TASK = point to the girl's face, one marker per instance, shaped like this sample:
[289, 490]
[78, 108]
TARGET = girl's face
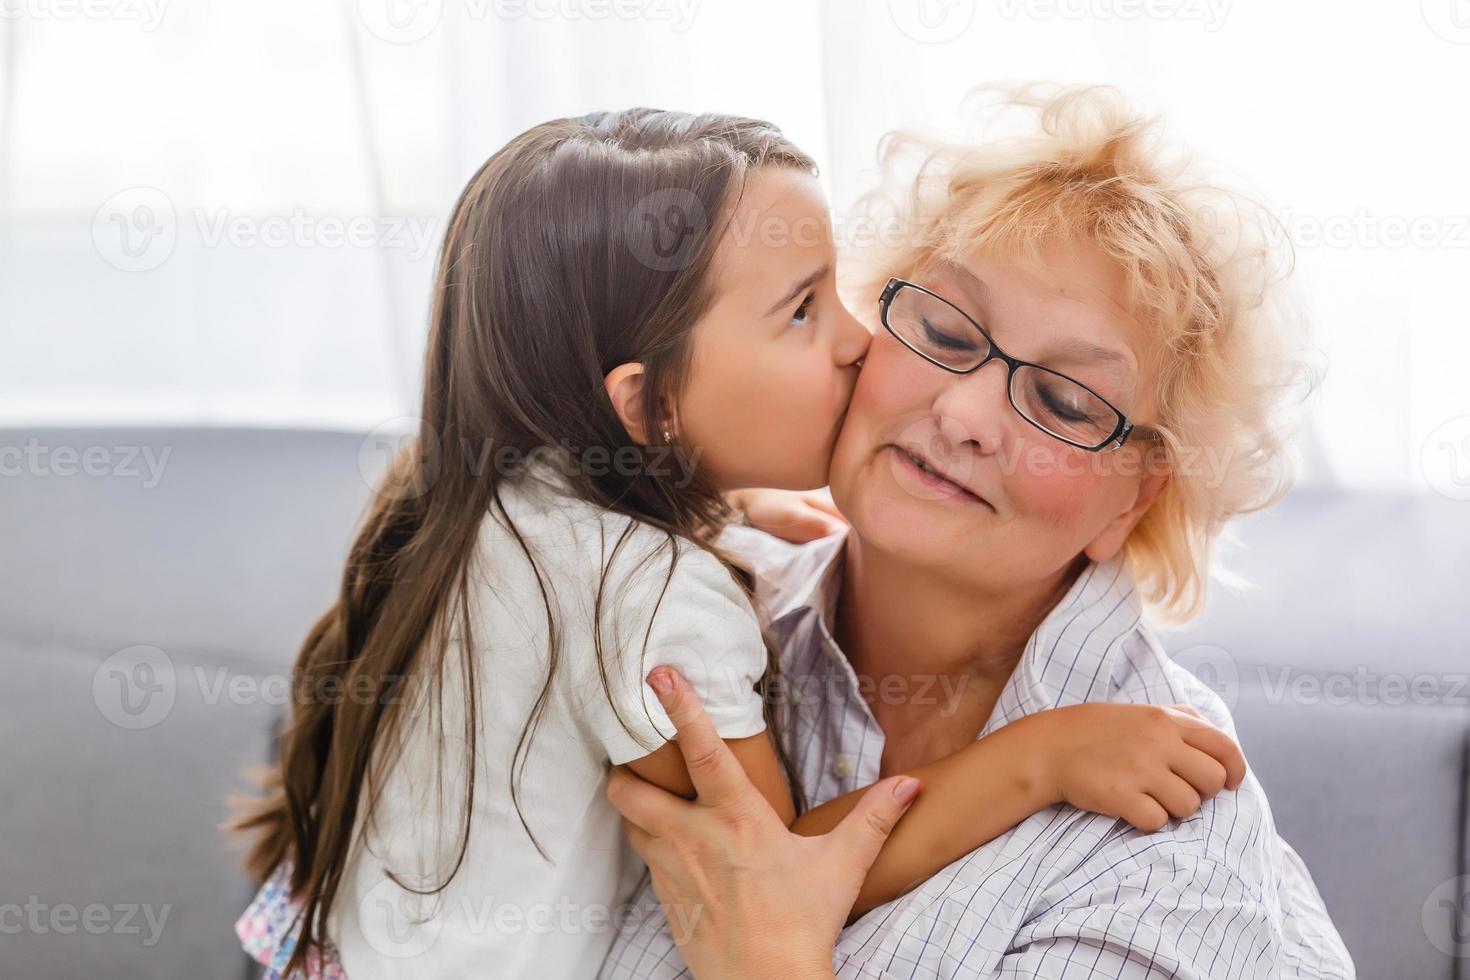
[1011, 505]
[776, 356]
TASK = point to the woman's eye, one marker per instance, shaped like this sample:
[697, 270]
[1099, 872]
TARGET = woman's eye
[1069, 404]
[945, 339]
[803, 314]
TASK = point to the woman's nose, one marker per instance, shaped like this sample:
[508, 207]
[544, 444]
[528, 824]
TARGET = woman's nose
[978, 407]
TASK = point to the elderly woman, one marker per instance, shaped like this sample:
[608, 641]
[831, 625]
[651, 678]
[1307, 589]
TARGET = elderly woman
[1068, 336]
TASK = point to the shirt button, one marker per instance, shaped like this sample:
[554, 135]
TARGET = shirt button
[841, 767]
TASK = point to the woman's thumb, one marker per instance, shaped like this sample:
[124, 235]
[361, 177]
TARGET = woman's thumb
[863, 831]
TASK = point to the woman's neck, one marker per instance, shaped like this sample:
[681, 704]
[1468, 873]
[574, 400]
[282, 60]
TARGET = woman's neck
[931, 654]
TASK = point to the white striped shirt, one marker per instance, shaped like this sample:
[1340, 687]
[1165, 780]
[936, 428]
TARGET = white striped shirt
[1066, 894]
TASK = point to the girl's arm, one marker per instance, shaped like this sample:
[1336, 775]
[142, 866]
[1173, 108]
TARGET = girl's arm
[666, 769]
[1141, 763]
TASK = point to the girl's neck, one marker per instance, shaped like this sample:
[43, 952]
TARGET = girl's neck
[944, 650]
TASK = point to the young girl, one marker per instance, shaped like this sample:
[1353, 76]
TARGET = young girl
[635, 313]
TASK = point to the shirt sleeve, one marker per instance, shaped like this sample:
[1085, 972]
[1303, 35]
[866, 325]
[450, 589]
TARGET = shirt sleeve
[696, 620]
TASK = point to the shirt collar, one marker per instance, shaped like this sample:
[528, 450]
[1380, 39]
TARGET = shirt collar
[1069, 659]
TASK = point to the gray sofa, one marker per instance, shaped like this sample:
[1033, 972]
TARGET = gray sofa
[148, 616]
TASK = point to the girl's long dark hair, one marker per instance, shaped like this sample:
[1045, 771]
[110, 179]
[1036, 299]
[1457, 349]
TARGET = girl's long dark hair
[583, 244]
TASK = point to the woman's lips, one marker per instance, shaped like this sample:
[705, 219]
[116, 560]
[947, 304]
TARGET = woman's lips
[913, 473]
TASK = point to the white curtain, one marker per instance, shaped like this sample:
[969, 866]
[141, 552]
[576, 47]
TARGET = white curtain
[227, 211]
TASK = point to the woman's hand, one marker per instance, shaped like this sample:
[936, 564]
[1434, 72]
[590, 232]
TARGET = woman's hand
[1142, 763]
[793, 516]
[744, 896]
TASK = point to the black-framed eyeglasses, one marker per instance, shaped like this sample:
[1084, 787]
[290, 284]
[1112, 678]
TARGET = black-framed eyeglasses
[945, 336]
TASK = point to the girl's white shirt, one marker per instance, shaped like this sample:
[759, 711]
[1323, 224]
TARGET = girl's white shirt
[512, 910]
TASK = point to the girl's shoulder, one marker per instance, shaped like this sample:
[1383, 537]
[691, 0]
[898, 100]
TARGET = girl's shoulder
[576, 543]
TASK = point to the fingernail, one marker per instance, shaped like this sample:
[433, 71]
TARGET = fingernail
[905, 790]
[661, 681]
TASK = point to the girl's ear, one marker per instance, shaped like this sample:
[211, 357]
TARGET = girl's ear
[624, 387]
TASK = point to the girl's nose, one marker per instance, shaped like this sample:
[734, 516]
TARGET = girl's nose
[852, 340]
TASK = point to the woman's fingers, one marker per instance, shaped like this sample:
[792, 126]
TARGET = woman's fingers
[862, 832]
[716, 775]
[642, 804]
[641, 840]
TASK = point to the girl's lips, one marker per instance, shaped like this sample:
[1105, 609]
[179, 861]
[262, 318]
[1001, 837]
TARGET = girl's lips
[932, 483]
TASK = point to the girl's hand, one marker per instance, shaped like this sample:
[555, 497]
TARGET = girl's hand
[744, 896]
[1142, 763]
[793, 516]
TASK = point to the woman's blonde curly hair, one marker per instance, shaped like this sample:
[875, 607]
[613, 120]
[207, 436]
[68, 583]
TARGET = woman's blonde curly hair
[1202, 266]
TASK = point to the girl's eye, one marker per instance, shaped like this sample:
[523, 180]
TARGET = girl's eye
[803, 314]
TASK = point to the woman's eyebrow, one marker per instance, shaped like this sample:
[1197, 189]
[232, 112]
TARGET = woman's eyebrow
[972, 284]
[799, 288]
[1076, 349]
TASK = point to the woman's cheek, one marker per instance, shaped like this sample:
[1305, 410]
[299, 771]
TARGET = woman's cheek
[1057, 486]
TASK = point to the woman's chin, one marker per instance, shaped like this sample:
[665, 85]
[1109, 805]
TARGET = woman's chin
[899, 523]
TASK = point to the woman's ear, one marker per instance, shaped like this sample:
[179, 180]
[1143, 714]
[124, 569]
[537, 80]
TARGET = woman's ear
[1115, 534]
[624, 387]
